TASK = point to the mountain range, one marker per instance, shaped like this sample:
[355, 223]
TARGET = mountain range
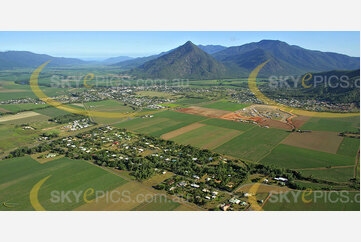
[205, 61]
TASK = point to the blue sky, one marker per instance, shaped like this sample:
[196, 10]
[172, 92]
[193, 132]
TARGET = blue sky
[97, 45]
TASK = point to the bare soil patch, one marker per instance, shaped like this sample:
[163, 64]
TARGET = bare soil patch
[207, 112]
[299, 121]
[263, 188]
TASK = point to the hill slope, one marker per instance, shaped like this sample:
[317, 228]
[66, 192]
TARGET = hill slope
[26, 59]
[186, 61]
[289, 59]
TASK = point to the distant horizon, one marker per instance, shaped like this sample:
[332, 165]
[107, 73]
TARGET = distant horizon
[98, 46]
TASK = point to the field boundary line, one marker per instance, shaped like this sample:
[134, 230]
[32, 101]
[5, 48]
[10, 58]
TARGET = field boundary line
[323, 168]
[357, 162]
[270, 151]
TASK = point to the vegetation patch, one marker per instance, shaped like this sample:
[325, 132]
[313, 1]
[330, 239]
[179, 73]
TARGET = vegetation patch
[253, 144]
[349, 147]
[333, 124]
[207, 137]
[228, 124]
[331, 174]
[297, 158]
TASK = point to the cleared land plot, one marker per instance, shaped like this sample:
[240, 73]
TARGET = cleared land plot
[12, 137]
[287, 156]
[158, 178]
[349, 147]
[207, 112]
[182, 130]
[299, 121]
[228, 124]
[316, 140]
[253, 144]
[263, 188]
[331, 174]
[52, 112]
[18, 116]
[332, 124]
[19, 175]
[207, 137]
[225, 105]
[318, 202]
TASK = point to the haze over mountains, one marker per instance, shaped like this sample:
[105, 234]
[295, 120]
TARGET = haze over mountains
[205, 62]
[26, 59]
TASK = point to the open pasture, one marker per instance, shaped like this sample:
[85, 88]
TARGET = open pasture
[332, 124]
[228, 124]
[292, 157]
[331, 174]
[12, 137]
[155, 126]
[19, 175]
[177, 116]
[23, 118]
[253, 144]
[349, 147]
[316, 140]
[22, 107]
[226, 105]
[207, 137]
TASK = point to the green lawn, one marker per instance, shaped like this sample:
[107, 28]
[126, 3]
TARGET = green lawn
[332, 124]
[287, 156]
[349, 147]
[19, 175]
[253, 144]
[225, 105]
